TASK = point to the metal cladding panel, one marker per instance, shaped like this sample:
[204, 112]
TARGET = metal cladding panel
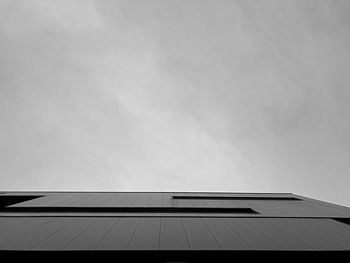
[155, 200]
[119, 236]
[11, 222]
[307, 225]
[334, 226]
[283, 239]
[60, 239]
[306, 236]
[225, 236]
[172, 235]
[90, 238]
[26, 227]
[39, 234]
[101, 200]
[334, 208]
[146, 235]
[167, 200]
[90, 233]
[141, 200]
[126, 199]
[116, 200]
[83, 233]
[255, 239]
[90, 200]
[198, 234]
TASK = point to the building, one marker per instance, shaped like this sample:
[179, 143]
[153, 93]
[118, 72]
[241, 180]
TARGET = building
[190, 224]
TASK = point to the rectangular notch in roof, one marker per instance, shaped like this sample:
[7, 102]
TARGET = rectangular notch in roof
[165, 210]
[7, 200]
[343, 220]
[271, 198]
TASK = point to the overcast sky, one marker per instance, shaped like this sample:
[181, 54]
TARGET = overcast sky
[164, 95]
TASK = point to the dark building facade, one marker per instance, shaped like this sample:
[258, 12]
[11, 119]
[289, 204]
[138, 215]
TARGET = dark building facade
[170, 221]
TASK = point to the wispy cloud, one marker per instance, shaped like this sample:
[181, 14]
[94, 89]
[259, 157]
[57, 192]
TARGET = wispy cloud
[24, 18]
[166, 95]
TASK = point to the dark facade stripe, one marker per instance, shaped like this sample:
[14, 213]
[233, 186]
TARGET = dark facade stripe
[208, 197]
[167, 210]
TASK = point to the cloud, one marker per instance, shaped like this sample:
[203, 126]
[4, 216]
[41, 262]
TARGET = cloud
[164, 95]
[22, 18]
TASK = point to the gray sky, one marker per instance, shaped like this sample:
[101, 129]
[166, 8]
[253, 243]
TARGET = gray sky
[160, 95]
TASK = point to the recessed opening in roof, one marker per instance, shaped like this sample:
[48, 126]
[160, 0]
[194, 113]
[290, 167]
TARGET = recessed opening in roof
[7, 200]
[343, 220]
[166, 210]
[236, 198]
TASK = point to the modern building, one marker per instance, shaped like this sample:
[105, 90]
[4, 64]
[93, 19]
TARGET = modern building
[182, 222]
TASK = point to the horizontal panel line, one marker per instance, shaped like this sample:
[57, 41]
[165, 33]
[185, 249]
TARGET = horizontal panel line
[202, 210]
[223, 192]
[237, 198]
[158, 216]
